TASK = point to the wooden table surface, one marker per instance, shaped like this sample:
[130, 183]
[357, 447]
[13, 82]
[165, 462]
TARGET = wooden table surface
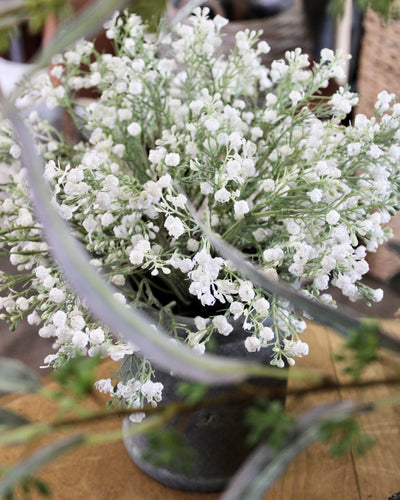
[105, 472]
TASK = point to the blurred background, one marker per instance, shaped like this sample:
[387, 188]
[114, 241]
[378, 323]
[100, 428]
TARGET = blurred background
[368, 29]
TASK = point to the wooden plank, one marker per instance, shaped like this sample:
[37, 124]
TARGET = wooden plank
[106, 471]
[378, 471]
[314, 475]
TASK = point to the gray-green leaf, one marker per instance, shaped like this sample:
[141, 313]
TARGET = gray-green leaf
[17, 377]
[9, 419]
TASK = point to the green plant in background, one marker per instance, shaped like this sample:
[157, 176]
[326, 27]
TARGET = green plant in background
[345, 435]
[387, 9]
[268, 422]
[34, 13]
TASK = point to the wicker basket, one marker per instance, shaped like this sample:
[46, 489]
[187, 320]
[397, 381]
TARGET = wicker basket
[380, 70]
[379, 61]
[284, 31]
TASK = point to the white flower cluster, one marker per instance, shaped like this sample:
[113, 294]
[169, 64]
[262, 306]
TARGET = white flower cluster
[262, 160]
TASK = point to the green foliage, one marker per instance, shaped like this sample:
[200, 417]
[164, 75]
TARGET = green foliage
[151, 12]
[386, 9]
[4, 40]
[27, 487]
[345, 435]
[32, 12]
[168, 448]
[192, 393]
[39, 10]
[360, 348]
[78, 375]
[268, 422]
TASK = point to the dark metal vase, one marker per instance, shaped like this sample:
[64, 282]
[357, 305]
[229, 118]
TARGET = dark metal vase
[217, 434]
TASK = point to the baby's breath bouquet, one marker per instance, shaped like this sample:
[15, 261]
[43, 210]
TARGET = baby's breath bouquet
[181, 133]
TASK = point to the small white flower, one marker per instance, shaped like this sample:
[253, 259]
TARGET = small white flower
[252, 344]
[267, 334]
[59, 319]
[47, 331]
[25, 217]
[136, 256]
[297, 348]
[261, 305]
[15, 151]
[259, 234]
[56, 295]
[292, 227]
[96, 336]
[263, 47]
[107, 219]
[33, 318]
[118, 279]
[22, 303]
[66, 211]
[377, 295]
[246, 291]
[332, 217]
[152, 391]
[212, 124]
[222, 195]
[275, 254]
[222, 138]
[222, 325]
[174, 226]
[135, 87]
[235, 140]
[156, 155]
[120, 298]
[77, 322]
[172, 159]
[315, 195]
[236, 308]
[199, 349]
[80, 339]
[268, 185]
[192, 245]
[295, 96]
[241, 208]
[206, 188]
[327, 55]
[134, 129]
[196, 106]
[201, 323]
[220, 21]
[137, 417]
[104, 385]
[354, 149]
[321, 282]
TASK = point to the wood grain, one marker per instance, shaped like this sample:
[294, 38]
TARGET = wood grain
[106, 472]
